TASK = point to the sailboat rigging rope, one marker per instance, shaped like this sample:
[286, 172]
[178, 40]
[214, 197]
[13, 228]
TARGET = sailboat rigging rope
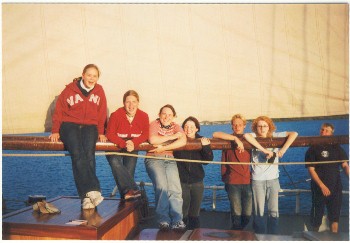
[289, 177]
[178, 160]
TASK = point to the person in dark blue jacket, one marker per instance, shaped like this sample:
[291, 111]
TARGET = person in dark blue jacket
[192, 173]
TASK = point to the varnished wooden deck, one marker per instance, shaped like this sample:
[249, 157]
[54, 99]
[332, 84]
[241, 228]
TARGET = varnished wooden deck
[216, 226]
[118, 220]
[112, 219]
[197, 235]
[156, 234]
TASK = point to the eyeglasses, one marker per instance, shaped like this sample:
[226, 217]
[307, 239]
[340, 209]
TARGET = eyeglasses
[262, 126]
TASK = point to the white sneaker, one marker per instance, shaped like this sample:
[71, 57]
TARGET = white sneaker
[95, 197]
[87, 204]
[179, 226]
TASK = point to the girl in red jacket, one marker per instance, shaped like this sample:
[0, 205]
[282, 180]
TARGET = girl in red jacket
[79, 119]
[127, 127]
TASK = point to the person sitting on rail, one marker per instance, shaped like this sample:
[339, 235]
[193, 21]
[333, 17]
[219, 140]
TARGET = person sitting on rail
[79, 119]
[127, 127]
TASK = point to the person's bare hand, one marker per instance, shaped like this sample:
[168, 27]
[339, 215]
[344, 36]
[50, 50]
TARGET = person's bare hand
[130, 146]
[102, 138]
[269, 154]
[54, 137]
[159, 148]
[240, 146]
[205, 141]
[325, 191]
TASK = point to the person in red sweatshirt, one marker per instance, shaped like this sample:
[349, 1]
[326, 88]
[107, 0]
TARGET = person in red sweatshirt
[127, 127]
[235, 176]
[78, 120]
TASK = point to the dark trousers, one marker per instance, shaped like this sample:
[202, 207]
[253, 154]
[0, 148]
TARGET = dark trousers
[319, 202]
[123, 170]
[80, 141]
[192, 194]
[241, 201]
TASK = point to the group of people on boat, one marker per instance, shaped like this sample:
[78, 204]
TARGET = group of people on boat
[79, 121]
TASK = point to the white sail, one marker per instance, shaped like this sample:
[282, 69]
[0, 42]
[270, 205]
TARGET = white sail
[207, 60]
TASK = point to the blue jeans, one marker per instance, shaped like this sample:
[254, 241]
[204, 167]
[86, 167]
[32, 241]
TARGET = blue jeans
[80, 141]
[167, 188]
[266, 189]
[241, 202]
[123, 170]
[192, 195]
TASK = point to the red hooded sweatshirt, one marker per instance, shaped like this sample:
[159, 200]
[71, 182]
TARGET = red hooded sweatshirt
[235, 173]
[119, 129]
[73, 106]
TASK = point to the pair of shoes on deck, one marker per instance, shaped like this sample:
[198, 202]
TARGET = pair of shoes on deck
[179, 226]
[131, 194]
[45, 208]
[92, 199]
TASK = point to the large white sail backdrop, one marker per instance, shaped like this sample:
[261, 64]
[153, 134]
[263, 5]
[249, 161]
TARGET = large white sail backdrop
[207, 60]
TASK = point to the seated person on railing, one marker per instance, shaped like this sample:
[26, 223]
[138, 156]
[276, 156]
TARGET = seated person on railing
[235, 176]
[166, 135]
[127, 127]
[326, 186]
[265, 182]
[192, 173]
[79, 118]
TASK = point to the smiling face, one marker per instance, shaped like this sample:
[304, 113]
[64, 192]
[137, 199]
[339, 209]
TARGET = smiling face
[131, 105]
[190, 129]
[90, 77]
[262, 128]
[238, 126]
[166, 116]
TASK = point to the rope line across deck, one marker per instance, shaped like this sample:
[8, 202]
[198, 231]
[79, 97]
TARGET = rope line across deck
[178, 160]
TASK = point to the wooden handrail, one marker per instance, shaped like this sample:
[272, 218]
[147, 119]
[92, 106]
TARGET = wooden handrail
[13, 142]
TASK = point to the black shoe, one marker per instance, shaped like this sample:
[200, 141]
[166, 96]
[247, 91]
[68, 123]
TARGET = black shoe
[164, 226]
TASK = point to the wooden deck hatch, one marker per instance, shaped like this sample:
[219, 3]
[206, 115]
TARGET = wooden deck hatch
[112, 220]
